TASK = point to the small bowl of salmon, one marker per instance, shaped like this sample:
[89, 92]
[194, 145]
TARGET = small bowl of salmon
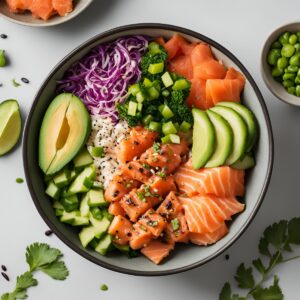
[43, 12]
[150, 142]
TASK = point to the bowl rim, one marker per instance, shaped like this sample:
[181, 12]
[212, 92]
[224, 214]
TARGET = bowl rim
[264, 70]
[259, 201]
[48, 23]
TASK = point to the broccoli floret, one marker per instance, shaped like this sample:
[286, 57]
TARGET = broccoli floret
[122, 109]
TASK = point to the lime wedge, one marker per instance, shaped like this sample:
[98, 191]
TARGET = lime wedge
[10, 125]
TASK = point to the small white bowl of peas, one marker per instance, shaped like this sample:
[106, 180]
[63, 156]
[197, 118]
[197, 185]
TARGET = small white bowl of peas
[280, 63]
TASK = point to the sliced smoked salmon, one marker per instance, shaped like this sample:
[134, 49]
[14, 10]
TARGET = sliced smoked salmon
[182, 65]
[234, 74]
[221, 181]
[42, 9]
[210, 69]
[157, 250]
[197, 96]
[63, 7]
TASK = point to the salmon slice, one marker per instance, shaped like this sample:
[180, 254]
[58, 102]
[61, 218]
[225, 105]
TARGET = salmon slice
[154, 222]
[141, 236]
[160, 40]
[63, 7]
[116, 209]
[182, 65]
[207, 213]
[178, 229]
[170, 207]
[224, 90]
[166, 157]
[175, 45]
[119, 186]
[157, 250]
[221, 181]
[210, 69]
[16, 6]
[234, 74]
[136, 171]
[138, 141]
[201, 53]
[197, 96]
[121, 229]
[137, 202]
[42, 9]
[162, 186]
[204, 239]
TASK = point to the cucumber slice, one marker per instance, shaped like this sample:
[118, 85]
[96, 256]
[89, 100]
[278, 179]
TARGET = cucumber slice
[239, 129]
[61, 179]
[100, 226]
[246, 162]
[249, 119]
[224, 140]
[86, 235]
[104, 244]
[81, 221]
[82, 159]
[96, 198]
[203, 139]
[52, 190]
[69, 217]
[84, 207]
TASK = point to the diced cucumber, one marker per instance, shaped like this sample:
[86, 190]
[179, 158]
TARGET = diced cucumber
[48, 178]
[69, 217]
[174, 138]
[147, 83]
[156, 68]
[81, 221]
[246, 162]
[70, 203]
[177, 126]
[126, 250]
[77, 185]
[107, 215]
[88, 183]
[57, 205]
[100, 226]
[97, 151]
[203, 139]
[140, 97]
[96, 198]
[154, 126]
[132, 107]
[224, 140]
[86, 235]
[94, 243]
[153, 93]
[154, 48]
[147, 119]
[166, 112]
[134, 89]
[249, 119]
[239, 129]
[52, 190]
[61, 179]
[82, 159]
[84, 207]
[104, 244]
[139, 106]
[169, 128]
[185, 126]
[73, 175]
[96, 213]
[165, 93]
[59, 212]
[167, 79]
[181, 84]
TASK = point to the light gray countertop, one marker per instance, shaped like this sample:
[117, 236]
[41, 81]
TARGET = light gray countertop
[239, 25]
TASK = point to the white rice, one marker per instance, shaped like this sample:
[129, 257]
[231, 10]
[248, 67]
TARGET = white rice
[107, 135]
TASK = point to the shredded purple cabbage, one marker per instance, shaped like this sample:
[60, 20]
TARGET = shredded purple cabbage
[102, 77]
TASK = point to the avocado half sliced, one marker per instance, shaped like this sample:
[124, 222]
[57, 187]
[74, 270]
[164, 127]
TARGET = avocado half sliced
[65, 129]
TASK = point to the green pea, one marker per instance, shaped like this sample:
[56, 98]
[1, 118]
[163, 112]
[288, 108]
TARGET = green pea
[297, 47]
[284, 38]
[293, 39]
[282, 62]
[292, 69]
[276, 72]
[2, 58]
[295, 60]
[288, 83]
[273, 56]
[287, 50]
[291, 90]
[288, 76]
[276, 45]
[297, 80]
[298, 90]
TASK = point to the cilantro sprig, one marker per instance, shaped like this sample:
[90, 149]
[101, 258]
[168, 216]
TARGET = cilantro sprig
[275, 246]
[39, 257]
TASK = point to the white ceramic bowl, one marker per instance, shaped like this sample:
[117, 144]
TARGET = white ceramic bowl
[28, 20]
[275, 87]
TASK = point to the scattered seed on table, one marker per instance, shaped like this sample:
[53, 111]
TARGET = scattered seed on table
[19, 180]
[3, 268]
[25, 80]
[3, 36]
[5, 276]
[48, 232]
[103, 287]
[227, 256]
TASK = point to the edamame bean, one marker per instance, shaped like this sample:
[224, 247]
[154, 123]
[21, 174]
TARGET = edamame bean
[288, 83]
[293, 39]
[291, 90]
[2, 59]
[298, 90]
[295, 60]
[276, 72]
[282, 62]
[288, 76]
[284, 38]
[297, 80]
[292, 69]
[273, 56]
[276, 45]
[297, 47]
[287, 50]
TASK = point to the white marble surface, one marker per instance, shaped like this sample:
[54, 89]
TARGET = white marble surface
[241, 26]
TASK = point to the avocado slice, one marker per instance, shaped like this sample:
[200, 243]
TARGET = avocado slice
[224, 139]
[246, 162]
[249, 119]
[65, 129]
[239, 129]
[203, 139]
[10, 125]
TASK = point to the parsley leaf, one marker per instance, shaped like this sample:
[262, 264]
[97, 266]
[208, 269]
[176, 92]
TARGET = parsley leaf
[226, 292]
[257, 263]
[271, 293]
[276, 233]
[57, 270]
[294, 231]
[38, 255]
[25, 281]
[244, 277]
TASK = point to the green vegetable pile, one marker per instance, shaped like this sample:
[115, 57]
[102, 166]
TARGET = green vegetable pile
[284, 58]
[157, 100]
[39, 257]
[275, 243]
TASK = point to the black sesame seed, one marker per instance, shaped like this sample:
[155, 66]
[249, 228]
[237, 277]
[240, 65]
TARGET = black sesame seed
[3, 268]
[3, 36]
[25, 80]
[227, 256]
[5, 276]
[48, 232]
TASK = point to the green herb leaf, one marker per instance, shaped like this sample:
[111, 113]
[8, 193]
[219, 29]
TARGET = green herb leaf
[226, 292]
[20, 295]
[175, 224]
[276, 233]
[294, 231]
[156, 147]
[57, 270]
[25, 281]
[103, 287]
[5, 296]
[257, 263]
[271, 293]
[244, 277]
[263, 247]
[38, 255]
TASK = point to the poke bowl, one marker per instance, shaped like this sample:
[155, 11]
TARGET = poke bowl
[150, 142]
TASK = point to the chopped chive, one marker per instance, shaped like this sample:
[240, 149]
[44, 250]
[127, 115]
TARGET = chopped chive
[103, 287]
[175, 224]
[19, 180]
